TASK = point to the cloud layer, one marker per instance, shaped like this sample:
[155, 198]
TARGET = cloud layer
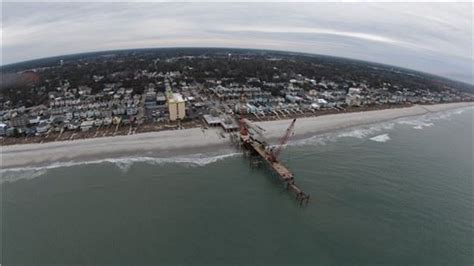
[430, 37]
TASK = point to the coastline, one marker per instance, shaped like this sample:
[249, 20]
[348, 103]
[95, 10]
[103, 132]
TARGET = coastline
[194, 140]
[308, 126]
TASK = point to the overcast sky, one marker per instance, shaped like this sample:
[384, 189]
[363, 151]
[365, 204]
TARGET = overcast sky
[431, 37]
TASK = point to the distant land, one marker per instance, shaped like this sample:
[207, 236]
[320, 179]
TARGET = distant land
[177, 51]
[126, 92]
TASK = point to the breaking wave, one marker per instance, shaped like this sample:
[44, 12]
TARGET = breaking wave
[124, 164]
[371, 131]
[424, 121]
[417, 124]
[360, 132]
[381, 138]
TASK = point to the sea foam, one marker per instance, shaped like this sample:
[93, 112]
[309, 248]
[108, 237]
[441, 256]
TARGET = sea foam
[381, 138]
[427, 120]
[367, 131]
[123, 163]
[360, 132]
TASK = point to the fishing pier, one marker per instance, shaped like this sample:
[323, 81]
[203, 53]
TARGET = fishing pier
[260, 150]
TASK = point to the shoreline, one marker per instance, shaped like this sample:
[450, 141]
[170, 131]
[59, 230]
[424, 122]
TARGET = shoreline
[310, 126]
[171, 143]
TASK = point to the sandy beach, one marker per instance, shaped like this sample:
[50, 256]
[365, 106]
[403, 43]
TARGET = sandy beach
[194, 140]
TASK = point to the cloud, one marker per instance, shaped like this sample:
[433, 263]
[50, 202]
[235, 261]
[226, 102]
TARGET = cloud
[359, 35]
[431, 37]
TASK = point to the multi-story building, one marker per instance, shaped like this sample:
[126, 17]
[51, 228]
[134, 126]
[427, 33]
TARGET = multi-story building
[176, 106]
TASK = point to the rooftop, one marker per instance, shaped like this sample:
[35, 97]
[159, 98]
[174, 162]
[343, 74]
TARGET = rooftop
[176, 97]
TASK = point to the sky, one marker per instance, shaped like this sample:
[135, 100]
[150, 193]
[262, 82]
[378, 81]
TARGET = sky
[430, 37]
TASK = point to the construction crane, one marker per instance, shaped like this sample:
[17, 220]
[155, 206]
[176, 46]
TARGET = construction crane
[276, 151]
[260, 149]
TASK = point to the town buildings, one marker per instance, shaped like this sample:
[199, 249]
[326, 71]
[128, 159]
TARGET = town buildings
[198, 88]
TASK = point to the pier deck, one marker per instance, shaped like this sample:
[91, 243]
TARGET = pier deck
[285, 175]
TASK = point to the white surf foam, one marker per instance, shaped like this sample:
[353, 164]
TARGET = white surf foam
[428, 120]
[362, 132]
[124, 164]
[381, 138]
[419, 123]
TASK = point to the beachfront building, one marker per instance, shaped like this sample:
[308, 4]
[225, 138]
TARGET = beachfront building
[3, 129]
[176, 106]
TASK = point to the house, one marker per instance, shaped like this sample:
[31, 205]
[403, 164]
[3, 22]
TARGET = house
[29, 131]
[353, 100]
[11, 131]
[43, 127]
[3, 129]
[160, 99]
[73, 125]
[19, 121]
[87, 125]
[84, 90]
[107, 121]
[322, 102]
[98, 122]
[228, 124]
[211, 120]
[354, 91]
[132, 110]
[116, 120]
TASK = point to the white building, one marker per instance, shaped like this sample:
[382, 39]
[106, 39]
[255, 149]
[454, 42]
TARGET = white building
[353, 100]
[86, 125]
[3, 129]
[354, 91]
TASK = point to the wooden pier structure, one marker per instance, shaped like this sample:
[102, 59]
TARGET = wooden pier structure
[270, 155]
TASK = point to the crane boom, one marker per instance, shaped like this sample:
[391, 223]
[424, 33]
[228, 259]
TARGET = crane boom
[283, 140]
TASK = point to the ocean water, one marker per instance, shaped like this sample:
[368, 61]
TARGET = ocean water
[395, 193]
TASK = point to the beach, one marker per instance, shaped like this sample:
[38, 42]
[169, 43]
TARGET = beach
[194, 140]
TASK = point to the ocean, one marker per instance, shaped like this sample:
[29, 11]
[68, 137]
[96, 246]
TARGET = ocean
[394, 193]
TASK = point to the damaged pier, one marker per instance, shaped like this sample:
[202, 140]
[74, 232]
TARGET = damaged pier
[260, 149]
